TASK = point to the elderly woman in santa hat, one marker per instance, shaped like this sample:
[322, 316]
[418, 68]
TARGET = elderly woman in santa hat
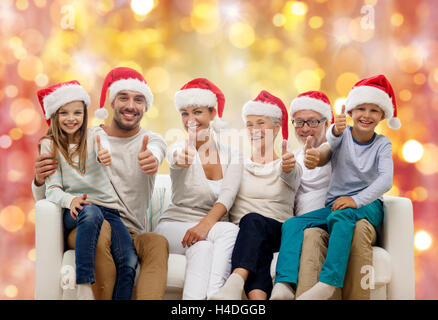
[264, 201]
[205, 178]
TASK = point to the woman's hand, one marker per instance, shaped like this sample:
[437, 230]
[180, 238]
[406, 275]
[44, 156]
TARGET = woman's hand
[77, 204]
[196, 233]
[287, 159]
[344, 203]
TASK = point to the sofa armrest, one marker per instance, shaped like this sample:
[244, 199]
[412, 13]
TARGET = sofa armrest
[398, 240]
[49, 248]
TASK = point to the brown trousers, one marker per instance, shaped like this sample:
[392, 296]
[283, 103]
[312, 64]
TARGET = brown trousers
[153, 253]
[314, 251]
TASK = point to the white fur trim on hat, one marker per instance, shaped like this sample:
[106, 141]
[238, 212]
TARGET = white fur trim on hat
[307, 103]
[195, 97]
[259, 108]
[368, 94]
[133, 85]
[63, 95]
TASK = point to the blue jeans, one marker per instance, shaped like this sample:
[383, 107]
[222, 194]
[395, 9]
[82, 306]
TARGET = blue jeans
[88, 224]
[340, 225]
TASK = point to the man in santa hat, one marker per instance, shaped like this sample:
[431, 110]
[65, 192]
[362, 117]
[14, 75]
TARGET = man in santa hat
[136, 154]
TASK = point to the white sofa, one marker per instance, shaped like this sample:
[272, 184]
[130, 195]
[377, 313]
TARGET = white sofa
[393, 262]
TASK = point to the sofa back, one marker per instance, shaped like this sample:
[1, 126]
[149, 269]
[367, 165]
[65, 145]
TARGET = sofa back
[160, 200]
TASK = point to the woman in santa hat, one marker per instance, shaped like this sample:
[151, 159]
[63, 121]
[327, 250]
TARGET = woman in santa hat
[205, 178]
[264, 201]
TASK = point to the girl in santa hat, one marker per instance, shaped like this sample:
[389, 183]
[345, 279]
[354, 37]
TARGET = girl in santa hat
[82, 187]
[205, 178]
[362, 171]
[264, 201]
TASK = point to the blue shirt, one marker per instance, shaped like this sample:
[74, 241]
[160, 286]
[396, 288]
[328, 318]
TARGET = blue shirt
[363, 171]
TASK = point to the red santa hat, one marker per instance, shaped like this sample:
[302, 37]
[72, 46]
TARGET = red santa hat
[315, 101]
[123, 78]
[203, 93]
[54, 97]
[376, 90]
[268, 105]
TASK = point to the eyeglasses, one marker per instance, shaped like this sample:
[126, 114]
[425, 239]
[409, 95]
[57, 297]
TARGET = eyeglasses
[311, 123]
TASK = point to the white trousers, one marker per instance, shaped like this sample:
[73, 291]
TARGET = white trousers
[208, 261]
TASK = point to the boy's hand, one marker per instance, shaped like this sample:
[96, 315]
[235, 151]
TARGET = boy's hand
[102, 154]
[147, 161]
[77, 204]
[343, 203]
[311, 155]
[287, 159]
[340, 122]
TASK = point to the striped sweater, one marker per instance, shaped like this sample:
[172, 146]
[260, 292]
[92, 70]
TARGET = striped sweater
[68, 182]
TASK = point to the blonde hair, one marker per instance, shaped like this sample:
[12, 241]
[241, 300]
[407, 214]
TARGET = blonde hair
[60, 142]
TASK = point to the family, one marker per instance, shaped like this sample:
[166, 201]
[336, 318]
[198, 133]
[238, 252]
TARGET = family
[319, 206]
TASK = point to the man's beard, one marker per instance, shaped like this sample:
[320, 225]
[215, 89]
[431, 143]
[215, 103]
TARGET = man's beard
[123, 126]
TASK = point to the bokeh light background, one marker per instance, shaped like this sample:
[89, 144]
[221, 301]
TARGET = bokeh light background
[285, 47]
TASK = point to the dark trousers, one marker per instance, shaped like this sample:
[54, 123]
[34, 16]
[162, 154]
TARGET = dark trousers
[259, 237]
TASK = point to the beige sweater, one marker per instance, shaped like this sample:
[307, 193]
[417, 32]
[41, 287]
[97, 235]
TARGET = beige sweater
[192, 197]
[267, 190]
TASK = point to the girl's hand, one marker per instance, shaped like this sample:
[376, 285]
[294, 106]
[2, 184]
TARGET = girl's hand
[343, 203]
[196, 233]
[340, 122]
[102, 154]
[77, 204]
[287, 159]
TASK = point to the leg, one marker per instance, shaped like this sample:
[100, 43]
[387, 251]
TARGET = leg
[223, 236]
[153, 253]
[361, 254]
[292, 234]
[314, 250]
[199, 263]
[125, 256]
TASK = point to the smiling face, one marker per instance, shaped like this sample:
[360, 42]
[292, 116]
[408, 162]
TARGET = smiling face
[317, 133]
[129, 107]
[71, 118]
[366, 117]
[197, 118]
[261, 130]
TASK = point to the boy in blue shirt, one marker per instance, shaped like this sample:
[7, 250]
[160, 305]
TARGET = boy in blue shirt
[362, 171]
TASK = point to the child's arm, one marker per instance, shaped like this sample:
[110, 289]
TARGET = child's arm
[103, 155]
[383, 183]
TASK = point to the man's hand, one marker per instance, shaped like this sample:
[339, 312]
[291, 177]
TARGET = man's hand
[340, 122]
[147, 161]
[102, 154]
[311, 155]
[343, 203]
[45, 165]
[77, 204]
[287, 158]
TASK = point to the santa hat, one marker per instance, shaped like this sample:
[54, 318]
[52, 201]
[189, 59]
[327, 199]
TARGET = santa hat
[376, 90]
[315, 101]
[54, 97]
[123, 78]
[203, 93]
[268, 105]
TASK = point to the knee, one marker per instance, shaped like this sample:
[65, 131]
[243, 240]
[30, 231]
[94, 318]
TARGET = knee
[364, 236]
[151, 244]
[200, 247]
[315, 237]
[289, 223]
[340, 215]
[89, 214]
[251, 220]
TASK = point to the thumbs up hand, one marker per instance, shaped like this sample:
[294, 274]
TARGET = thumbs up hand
[103, 155]
[311, 155]
[186, 156]
[147, 161]
[340, 122]
[287, 158]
